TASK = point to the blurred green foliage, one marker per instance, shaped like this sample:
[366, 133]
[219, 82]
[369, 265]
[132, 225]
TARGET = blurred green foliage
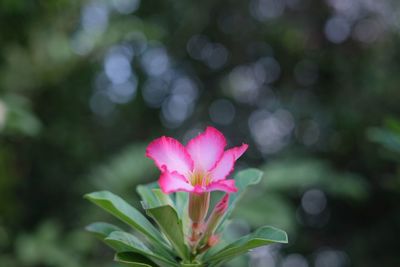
[311, 86]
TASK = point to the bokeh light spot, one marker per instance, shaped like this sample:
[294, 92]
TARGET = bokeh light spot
[337, 29]
[313, 201]
[294, 260]
[155, 61]
[126, 6]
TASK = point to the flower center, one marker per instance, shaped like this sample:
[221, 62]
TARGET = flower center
[200, 178]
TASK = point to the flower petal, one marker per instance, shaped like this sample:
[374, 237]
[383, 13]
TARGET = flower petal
[238, 151]
[223, 185]
[225, 165]
[168, 152]
[206, 149]
[172, 182]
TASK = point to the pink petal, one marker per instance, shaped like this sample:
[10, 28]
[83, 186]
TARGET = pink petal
[173, 182]
[223, 185]
[166, 151]
[198, 189]
[225, 165]
[238, 151]
[206, 149]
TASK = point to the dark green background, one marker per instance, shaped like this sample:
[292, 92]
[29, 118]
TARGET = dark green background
[311, 86]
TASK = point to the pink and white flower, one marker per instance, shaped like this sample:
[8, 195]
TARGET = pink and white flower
[202, 166]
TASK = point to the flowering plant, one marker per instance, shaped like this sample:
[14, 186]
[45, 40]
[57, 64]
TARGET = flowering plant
[188, 233]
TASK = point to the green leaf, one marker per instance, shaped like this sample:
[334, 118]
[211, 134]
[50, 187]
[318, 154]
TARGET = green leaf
[261, 237]
[163, 199]
[133, 259]
[243, 179]
[170, 224]
[181, 204]
[126, 242]
[386, 137]
[147, 195]
[20, 119]
[128, 214]
[102, 229]
[192, 264]
[152, 196]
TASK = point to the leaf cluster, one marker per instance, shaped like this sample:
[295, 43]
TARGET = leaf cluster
[164, 243]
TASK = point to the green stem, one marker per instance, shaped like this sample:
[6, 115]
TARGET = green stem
[192, 264]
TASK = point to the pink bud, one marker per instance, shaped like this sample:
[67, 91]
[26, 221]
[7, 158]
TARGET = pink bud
[215, 217]
[213, 240]
[222, 205]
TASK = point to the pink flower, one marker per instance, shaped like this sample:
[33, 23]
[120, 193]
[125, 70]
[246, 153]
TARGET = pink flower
[201, 166]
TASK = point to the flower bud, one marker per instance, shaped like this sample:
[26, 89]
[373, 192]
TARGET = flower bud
[198, 206]
[212, 241]
[222, 205]
[216, 217]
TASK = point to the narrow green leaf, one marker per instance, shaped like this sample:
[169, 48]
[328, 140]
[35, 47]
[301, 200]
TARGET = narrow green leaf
[261, 237]
[126, 242]
[243, 179]
[133, 259]
[181, 204]
[163, 199]
[192, 264]
[170, 224]
[147, 195]
[181, 201]
[128, 214]
[102, 229]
